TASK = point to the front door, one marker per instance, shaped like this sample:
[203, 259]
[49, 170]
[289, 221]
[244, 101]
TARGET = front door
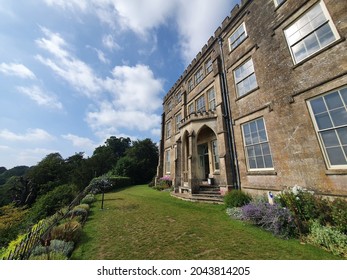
[204, 161]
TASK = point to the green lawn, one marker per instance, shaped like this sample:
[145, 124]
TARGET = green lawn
[139, 223]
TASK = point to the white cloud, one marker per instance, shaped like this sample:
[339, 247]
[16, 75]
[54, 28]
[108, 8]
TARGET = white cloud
[40, 97]
[196, 28]
[196, 19]
[136, 95]
[77, 73]
[69, 4]
[15, 69]
[31, 135]
[109, 42]
[80, 142]
[101, 55]
[108, 118]
[136, 88]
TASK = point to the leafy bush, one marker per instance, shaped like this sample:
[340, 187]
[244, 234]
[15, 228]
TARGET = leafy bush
[79, 212]
[339, 215]
[69, 231]
[236, 198]
[51, 202]
[88, 199]
[108, 183]
[235, 213]
[56, 246]
[11, 220]
[307, 207]
[99, 185]
[12, 246]
[328, 238]
[50, 256]
[118, 182]
[273, 218]
[163, 183]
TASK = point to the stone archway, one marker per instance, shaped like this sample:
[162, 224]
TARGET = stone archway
[207, 152]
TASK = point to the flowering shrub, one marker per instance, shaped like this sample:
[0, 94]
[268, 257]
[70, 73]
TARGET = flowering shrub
[306, 207]
[273, 218]
[99, 184]
[303, 204]
[164, 183]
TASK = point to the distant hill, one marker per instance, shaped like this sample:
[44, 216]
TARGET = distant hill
[15, 171]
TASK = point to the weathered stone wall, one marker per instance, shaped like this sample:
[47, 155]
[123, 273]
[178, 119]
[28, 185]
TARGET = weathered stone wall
[281, 97]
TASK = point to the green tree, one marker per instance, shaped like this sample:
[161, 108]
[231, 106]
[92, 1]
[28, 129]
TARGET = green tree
[48, 173]
[140, 162]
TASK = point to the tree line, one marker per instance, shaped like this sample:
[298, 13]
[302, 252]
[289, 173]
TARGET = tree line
[39, 190]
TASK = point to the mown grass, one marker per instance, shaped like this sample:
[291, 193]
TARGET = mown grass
[139, 223]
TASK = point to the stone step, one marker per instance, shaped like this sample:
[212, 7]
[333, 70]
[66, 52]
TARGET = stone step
[199, 198]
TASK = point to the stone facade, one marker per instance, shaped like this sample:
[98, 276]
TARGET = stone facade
[263, 106]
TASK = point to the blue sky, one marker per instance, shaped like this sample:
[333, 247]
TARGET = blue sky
[75, 72]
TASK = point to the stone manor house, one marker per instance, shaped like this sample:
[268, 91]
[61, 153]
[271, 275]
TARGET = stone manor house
[263, 106]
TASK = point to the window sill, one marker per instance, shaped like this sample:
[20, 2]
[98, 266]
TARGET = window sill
[336, 172]
[262, 173]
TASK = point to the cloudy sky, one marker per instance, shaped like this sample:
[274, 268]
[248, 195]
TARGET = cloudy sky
[74, 72]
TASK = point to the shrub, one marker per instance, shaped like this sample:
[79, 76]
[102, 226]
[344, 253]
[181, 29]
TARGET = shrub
[235, 213]
[69, 231]
[56, 246]
[328, 238]
[339, 215]
[88, 199]
[307, 207]
[302, 203]
[108, 183]
[82, 206]
[163, 183]
[273, 218]
[11, 222]
[49, 256]
[119, 182]
[236, 198]
[78, 212]
[51, 202]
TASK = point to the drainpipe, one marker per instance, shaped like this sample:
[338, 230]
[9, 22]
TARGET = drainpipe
[229, 122]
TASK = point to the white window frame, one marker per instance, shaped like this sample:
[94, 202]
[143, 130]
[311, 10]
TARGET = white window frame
[190, 84]
[169, 105]
[208, 66]
[278, 2]
[199, 75]
[254, 149]
[211, 99]
[235, 42]
[215, 154]
[311, 33]
[243, 77]
[178, 97]
[167, 161]
[191, 108]
[200, 104]
[168, 129]
[336, 129]
[178, 119]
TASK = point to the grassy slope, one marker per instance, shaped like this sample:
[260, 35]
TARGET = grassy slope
[140, 223]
